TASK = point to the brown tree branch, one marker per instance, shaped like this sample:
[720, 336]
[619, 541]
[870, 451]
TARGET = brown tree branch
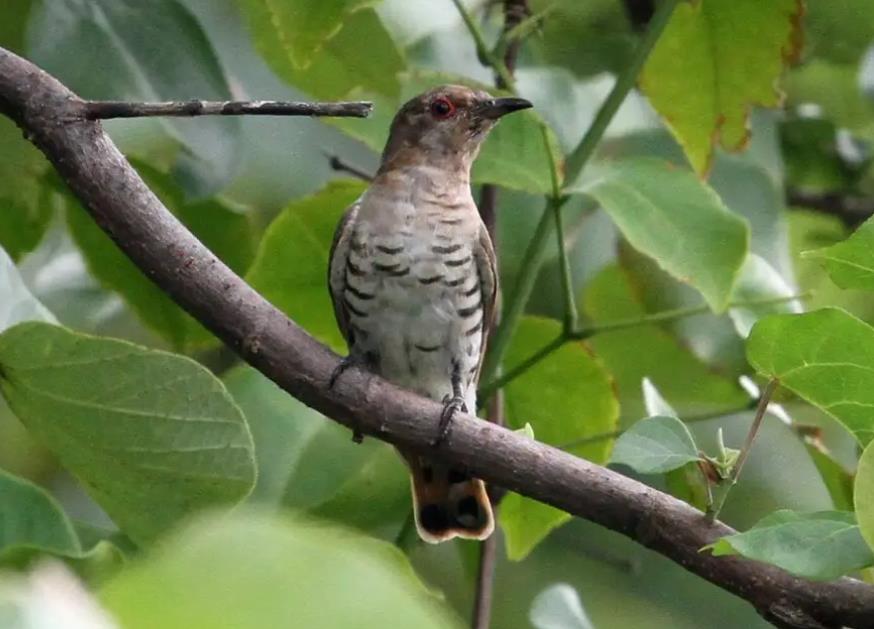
[850, 209]
[53, 118]
[105, 109]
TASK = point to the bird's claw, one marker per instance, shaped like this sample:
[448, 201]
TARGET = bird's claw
[451, 405]
[345, 363]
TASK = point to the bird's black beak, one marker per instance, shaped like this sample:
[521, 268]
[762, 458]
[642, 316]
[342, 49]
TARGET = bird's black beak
[494, 108]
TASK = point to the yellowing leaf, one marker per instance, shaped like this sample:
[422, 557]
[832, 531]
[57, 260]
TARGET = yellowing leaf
[715, 60]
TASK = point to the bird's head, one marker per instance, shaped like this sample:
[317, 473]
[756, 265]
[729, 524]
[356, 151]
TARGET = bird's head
[445, 127]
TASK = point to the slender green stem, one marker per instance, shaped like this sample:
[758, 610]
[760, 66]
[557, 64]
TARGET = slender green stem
[613, 434]
[514, 306]
[624, 82]
[483, 51]
[536, 251]
[570, 305]
[674, 315]
[764, 400]
[493, 384]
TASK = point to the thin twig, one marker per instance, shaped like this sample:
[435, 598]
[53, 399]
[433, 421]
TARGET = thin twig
[106, 109]
[850, 209]
[339, 164]
[764, 400]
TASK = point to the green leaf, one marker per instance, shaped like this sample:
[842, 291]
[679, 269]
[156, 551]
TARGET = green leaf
[152, 436]
[566, 397]
[850, 263]
[249, 570]
[17, 304]
[15, 14]
[671, 216]
[826, 357]
[649, 351]
[282, 428]
[291, 266]
[715, 60]
[127, 50]
[228, 234]
[837, 479]
[31, 518]
[655, 445]
[340, 65]
[823, 545]
[303, 26]
[863, 495]
[25, 208]
[375, 499]
[838, 31]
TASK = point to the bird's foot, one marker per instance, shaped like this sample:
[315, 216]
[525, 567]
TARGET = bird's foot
[451, 405]
[346, 363]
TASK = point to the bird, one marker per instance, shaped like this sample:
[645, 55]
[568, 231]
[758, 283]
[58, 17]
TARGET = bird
[413, 281]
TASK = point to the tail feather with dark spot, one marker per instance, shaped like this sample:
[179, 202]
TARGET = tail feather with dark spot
[447, 502]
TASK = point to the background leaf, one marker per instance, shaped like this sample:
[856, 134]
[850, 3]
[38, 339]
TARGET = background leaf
[713, 62]
[153, 437]
[850, 263]
[823, 545]
[655, 445]
[31, 518]
[291, 266]
[825, 357]
[121, 59]
[863, 495]
[669, 215]
[281, 572]
[228, 234]
[560, 416]
[340, 66]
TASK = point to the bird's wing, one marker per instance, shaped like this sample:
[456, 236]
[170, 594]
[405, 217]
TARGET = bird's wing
[337, 268]
[486, 265]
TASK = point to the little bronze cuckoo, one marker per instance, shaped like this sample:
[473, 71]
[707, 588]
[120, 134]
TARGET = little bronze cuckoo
[413, 281]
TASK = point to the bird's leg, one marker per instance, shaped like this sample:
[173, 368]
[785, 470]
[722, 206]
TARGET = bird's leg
[362, 360]
[451, 405]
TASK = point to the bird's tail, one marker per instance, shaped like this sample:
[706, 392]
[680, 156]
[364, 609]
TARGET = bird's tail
[447, 502]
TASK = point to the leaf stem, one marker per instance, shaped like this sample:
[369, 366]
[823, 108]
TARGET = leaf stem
[613, 434]
[536, 251]
[676, 314]
[485, 54]
[764, 400]
[624, 82]
[493, 384]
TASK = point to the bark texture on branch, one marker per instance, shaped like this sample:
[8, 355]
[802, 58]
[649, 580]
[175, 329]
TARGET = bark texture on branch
[54, 120]
[106, 109]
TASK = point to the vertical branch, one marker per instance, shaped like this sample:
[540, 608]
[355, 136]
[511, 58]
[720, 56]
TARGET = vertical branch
[514, 12]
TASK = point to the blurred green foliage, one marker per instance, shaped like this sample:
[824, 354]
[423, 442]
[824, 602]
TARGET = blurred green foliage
[672, 245]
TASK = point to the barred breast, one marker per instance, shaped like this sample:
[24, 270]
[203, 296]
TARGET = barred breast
[414, 298]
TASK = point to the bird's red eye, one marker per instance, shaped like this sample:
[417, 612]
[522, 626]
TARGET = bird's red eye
[442, 108]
